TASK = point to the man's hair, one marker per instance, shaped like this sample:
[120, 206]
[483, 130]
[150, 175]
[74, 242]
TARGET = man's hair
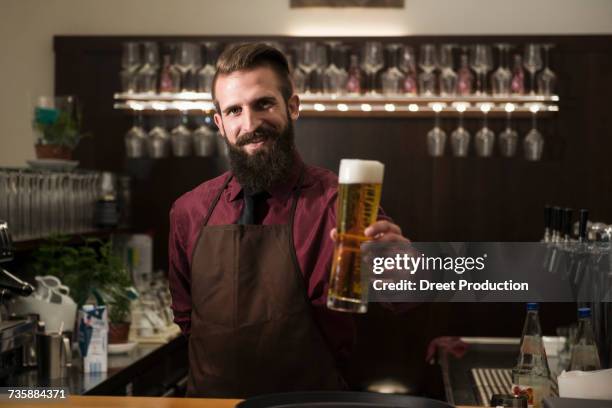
[248, 56]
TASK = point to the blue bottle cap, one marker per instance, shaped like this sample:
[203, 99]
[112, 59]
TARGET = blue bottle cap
[584, 312]
[532, 306]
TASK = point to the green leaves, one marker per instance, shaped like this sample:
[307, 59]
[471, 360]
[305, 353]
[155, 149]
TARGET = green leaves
[58, 127]
[84, 268]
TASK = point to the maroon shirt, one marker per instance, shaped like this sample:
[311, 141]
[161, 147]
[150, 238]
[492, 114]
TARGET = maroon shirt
[315, 216]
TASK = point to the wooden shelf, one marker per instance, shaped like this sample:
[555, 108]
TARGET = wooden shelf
[318, 105]
[32, 244]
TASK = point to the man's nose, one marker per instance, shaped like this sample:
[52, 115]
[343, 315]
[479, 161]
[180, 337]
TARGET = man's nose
[251, 120]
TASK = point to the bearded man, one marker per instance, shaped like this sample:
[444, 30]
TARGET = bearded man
[250, 251]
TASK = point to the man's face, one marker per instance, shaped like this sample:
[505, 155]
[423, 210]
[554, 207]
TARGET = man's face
[252, 108]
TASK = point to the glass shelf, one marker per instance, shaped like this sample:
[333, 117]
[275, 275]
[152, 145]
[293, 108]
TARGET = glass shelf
[313, 105]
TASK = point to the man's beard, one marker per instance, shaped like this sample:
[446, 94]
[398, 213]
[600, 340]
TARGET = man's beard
[269, 164]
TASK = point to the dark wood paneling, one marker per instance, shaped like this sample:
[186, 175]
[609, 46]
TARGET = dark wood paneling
[431, 199]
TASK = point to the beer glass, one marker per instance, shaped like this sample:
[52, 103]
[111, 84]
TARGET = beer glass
[359, 189]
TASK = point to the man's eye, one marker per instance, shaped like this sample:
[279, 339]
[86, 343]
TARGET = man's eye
[266, 104]
[233, 111]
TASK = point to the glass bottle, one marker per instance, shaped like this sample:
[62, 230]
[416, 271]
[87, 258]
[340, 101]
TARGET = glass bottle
[585, 356]
[169, 77]
[465, 78]
[408, 66]
[355, 77]
[517, 85]
[531, 376]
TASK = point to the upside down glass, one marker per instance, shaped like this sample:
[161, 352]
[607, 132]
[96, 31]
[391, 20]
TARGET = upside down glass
[359, 190]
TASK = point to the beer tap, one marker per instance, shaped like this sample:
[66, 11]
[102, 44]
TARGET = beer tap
[547, 223]
[567, 221]
[558, 221]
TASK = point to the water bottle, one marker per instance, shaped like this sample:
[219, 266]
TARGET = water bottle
[531, 376]
[584, 352]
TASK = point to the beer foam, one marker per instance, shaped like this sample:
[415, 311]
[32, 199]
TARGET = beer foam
[354, 171]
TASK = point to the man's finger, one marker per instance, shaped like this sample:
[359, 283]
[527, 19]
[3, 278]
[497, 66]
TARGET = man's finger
[382, 227]
[390, 237]
[333, 234]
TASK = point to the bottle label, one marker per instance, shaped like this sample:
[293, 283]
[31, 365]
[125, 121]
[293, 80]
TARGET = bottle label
[525, 390]
[534, 393]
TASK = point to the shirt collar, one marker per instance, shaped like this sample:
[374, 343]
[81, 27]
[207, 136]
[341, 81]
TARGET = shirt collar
[280, 190]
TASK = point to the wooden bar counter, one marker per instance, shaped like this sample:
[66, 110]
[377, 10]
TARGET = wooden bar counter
[131, 402]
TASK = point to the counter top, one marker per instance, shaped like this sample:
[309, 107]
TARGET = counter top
[136, 402]
[122, 368]
[79, 401]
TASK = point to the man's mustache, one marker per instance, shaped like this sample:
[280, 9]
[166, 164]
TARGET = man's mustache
[258, 135]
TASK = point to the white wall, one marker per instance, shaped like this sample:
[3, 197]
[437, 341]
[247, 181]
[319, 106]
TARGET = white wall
[27, 28]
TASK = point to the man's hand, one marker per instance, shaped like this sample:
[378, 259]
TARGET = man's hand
[382, 231]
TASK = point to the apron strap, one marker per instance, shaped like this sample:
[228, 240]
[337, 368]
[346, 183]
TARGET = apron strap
[216, 200]
[296, 196]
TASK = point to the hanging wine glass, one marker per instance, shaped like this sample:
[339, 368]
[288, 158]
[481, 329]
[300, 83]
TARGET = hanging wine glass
[448, 77]
[136, 136]
[481, 62]
[460, 138]
[508, 138]
[436, 137]
[158, 139]
[533, 144]
[427, 62]
[485, 137]
[372, 62]
[180, 137]
[547, 79]
[502, 77]
[392, 78]
[307, 61]
[532, 62]
[407, 64]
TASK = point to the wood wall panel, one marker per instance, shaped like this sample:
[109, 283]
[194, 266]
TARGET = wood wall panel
[432, 199]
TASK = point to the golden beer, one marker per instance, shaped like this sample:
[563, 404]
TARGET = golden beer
[359, 189]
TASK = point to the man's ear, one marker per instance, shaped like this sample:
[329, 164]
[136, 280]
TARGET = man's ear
[219, 123]
[293, 104]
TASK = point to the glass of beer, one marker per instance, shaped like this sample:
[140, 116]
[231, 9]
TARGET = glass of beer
[360, 185]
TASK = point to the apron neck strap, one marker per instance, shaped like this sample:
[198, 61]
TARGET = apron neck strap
[296, 194]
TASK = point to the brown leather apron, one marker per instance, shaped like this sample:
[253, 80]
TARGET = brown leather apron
[252, 330]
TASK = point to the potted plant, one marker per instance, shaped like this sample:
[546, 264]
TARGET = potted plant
[57, 121]
[91, 270]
